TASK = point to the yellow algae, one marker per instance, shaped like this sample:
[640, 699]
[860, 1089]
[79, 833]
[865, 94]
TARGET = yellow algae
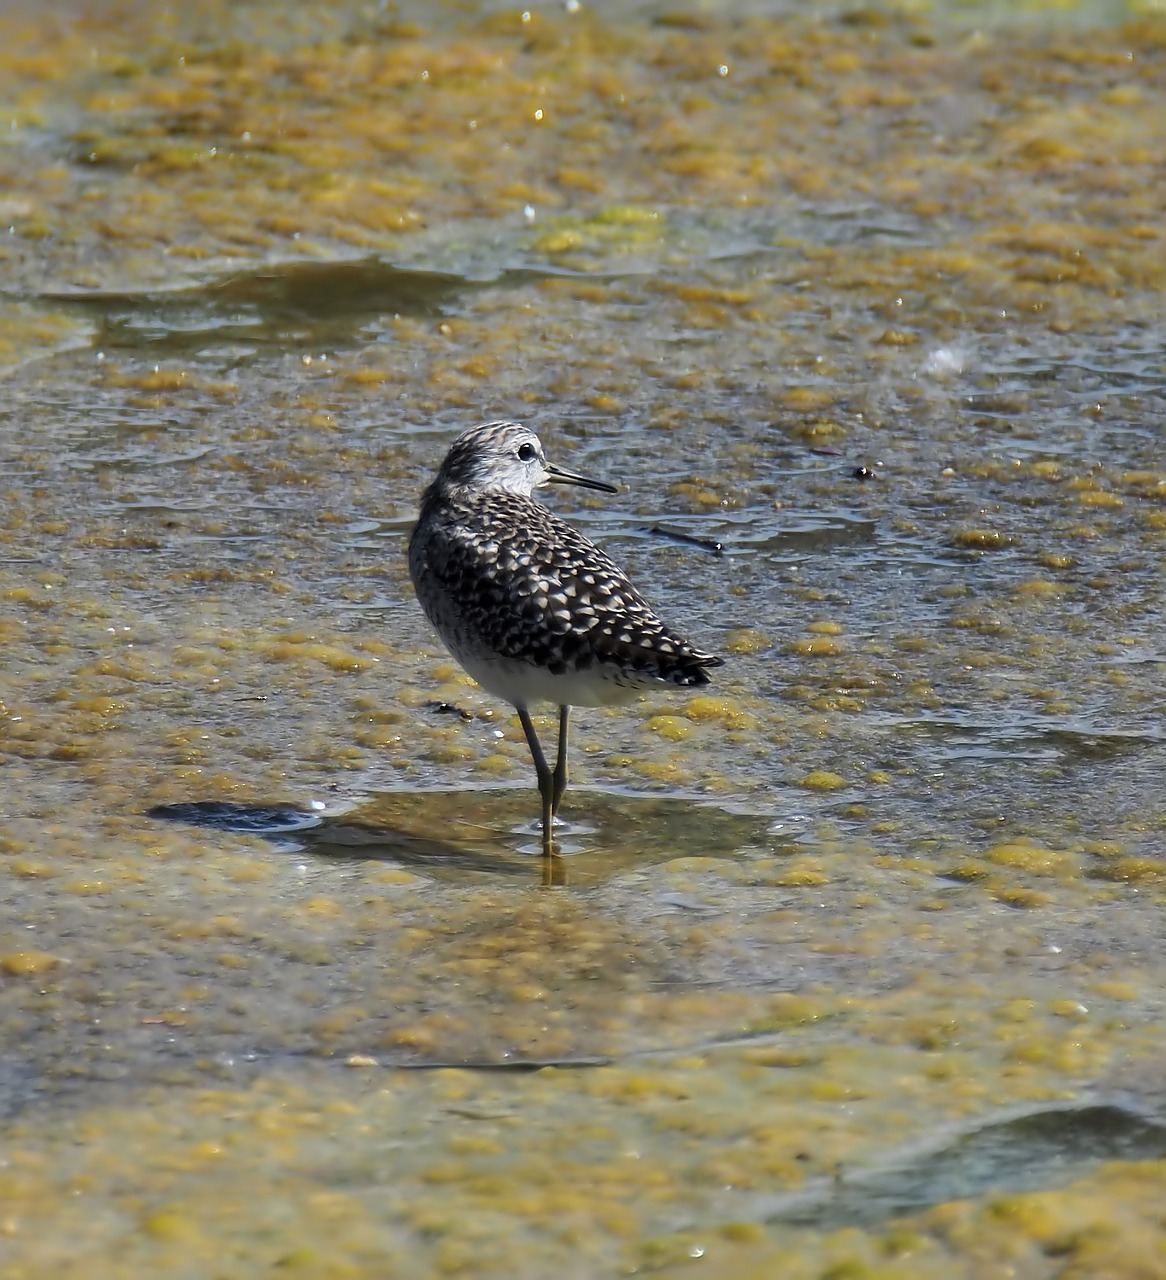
[159, 380]
[333, 657]
[1131, 869]
[807, 399]
[31, 868]
[367, 377]
[420, 1038]
[966, 871]
[698, 494]
[746, 641]
[1038, 587]
[627, 215]
[250, 873]
[1115, 989]
[1100, 498]
[802, 876]
[496, 764]
[87, 888]
[377, 739]
[983, 539]
[321, 906]
[171, 1225]
[817, 647]
[673, 728]
[28, 964]
[659, 770]
[562, 241]
[721, 710]
[1015, 896]
[743, 1233]
[822, 780]
[1072, 1009]
[1018, 1010]
[525, 992]
[1031, 858]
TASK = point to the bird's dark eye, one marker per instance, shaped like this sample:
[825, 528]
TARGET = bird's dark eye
[527, 452]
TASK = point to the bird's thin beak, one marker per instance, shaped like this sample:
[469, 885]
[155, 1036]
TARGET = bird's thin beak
[558, 476]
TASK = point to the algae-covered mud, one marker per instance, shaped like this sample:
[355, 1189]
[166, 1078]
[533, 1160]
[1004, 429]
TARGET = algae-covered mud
[859, 967]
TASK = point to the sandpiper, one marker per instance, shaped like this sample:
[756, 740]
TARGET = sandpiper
[532, 609]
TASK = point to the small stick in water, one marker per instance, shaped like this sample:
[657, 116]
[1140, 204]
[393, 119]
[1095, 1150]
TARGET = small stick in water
[691, 539]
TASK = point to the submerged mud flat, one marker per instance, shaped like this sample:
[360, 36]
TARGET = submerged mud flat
[859, 967]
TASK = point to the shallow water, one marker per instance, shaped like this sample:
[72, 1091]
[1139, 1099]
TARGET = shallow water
[858, 967]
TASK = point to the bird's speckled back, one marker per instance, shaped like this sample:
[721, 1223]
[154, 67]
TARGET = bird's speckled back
[502, 578]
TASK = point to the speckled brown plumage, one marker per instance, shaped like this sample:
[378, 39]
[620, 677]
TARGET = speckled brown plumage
[502, 577]
[501, 572]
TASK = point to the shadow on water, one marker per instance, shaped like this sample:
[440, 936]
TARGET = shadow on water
[606, 833]
[1030, 1152]
[324, 302]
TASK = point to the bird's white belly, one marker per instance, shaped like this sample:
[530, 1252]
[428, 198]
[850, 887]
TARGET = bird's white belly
[520, 683]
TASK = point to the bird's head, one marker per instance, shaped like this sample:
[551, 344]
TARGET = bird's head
[505, 457]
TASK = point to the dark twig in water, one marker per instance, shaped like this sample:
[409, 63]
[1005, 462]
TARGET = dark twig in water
[710, 545]
[449, 709]
[493, 1064]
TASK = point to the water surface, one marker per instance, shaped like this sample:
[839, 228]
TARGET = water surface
[859, 962]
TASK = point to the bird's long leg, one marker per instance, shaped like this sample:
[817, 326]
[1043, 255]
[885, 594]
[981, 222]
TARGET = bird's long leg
[559, 777]
[546, 782]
